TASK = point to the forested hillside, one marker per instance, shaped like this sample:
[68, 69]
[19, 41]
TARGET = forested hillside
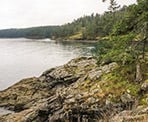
[116, 21]
[111, 86]
[126, 41]
[34, 32]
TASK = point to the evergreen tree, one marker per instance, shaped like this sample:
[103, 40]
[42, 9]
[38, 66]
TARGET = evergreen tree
[113, 6]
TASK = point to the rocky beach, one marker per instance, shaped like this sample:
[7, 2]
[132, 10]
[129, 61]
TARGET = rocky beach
[79, 91]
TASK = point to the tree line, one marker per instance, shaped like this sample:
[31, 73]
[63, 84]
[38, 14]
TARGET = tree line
[116, 21]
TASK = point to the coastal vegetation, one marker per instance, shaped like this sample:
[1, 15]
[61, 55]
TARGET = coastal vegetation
[112, 85]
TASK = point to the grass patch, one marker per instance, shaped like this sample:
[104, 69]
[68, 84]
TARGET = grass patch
[117, 82]
[76, 36]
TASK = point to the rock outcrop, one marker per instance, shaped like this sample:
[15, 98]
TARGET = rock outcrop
[73, 92]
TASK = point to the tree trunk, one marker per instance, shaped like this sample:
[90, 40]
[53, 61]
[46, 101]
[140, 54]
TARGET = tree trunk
[138, 72]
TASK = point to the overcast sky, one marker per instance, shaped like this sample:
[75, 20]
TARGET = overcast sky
[27, 13]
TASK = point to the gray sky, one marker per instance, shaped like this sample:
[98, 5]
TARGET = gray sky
[28, 13]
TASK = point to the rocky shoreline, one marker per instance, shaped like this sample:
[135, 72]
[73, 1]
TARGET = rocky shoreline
[78, 91]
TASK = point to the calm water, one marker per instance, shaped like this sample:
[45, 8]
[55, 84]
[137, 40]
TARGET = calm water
[21, 58]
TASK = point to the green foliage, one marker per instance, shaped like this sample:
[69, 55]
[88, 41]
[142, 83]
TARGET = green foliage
[127, 43]
[143, 101]
[133, 19]
[116, 48]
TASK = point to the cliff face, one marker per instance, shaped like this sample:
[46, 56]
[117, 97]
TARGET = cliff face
[79, 91]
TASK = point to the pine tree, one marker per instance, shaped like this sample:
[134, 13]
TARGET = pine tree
[113, 6]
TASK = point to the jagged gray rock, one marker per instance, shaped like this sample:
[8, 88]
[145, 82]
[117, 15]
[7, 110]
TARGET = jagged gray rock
[67, 93]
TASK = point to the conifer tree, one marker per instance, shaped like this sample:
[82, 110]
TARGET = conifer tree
[113, 6]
